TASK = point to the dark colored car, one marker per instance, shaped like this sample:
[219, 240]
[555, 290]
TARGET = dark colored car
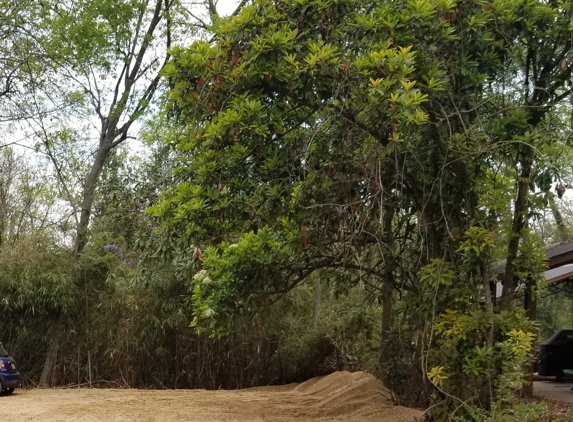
[556, 354]
[9, 376]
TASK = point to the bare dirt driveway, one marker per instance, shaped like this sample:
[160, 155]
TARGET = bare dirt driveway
[342, 396]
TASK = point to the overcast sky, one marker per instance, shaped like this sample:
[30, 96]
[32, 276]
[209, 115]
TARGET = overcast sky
[226, 7]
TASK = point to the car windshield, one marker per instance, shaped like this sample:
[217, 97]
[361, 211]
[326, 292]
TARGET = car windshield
[3, 353]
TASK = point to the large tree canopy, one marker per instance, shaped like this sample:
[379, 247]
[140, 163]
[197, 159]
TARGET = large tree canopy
[303, 142]
[292, 134]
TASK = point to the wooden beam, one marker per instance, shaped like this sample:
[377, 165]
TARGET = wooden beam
[561, 259]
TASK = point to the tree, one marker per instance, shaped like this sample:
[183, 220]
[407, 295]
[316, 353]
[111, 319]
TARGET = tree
[15, 55]
[396, 131]
[114, 41]
[268, 119]
[26, 199]
[111, 55]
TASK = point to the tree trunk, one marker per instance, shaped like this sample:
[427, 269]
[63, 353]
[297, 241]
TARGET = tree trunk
[387, 290]
[49, 364]
[489, 308]
[388, 282]
[317, 297]
[88, 195]
[519, 222]
[563, 232]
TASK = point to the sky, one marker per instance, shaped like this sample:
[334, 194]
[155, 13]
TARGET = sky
[226, 7]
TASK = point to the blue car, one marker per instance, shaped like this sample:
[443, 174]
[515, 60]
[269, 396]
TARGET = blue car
[9, 376]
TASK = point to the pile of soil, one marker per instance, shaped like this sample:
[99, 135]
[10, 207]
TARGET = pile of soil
[358, 395]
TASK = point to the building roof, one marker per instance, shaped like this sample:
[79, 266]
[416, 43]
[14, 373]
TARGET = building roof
[557, 255]
[554, 275]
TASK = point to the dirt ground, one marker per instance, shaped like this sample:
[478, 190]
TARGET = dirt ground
[342, 396]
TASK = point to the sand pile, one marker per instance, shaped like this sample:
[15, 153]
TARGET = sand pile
[357, 394]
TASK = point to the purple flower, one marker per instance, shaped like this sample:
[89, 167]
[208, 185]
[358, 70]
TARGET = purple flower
[116, 250]
[111, 248]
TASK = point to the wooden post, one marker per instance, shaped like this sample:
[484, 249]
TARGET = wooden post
[90, 367]
[79, 370]
[530, 305]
